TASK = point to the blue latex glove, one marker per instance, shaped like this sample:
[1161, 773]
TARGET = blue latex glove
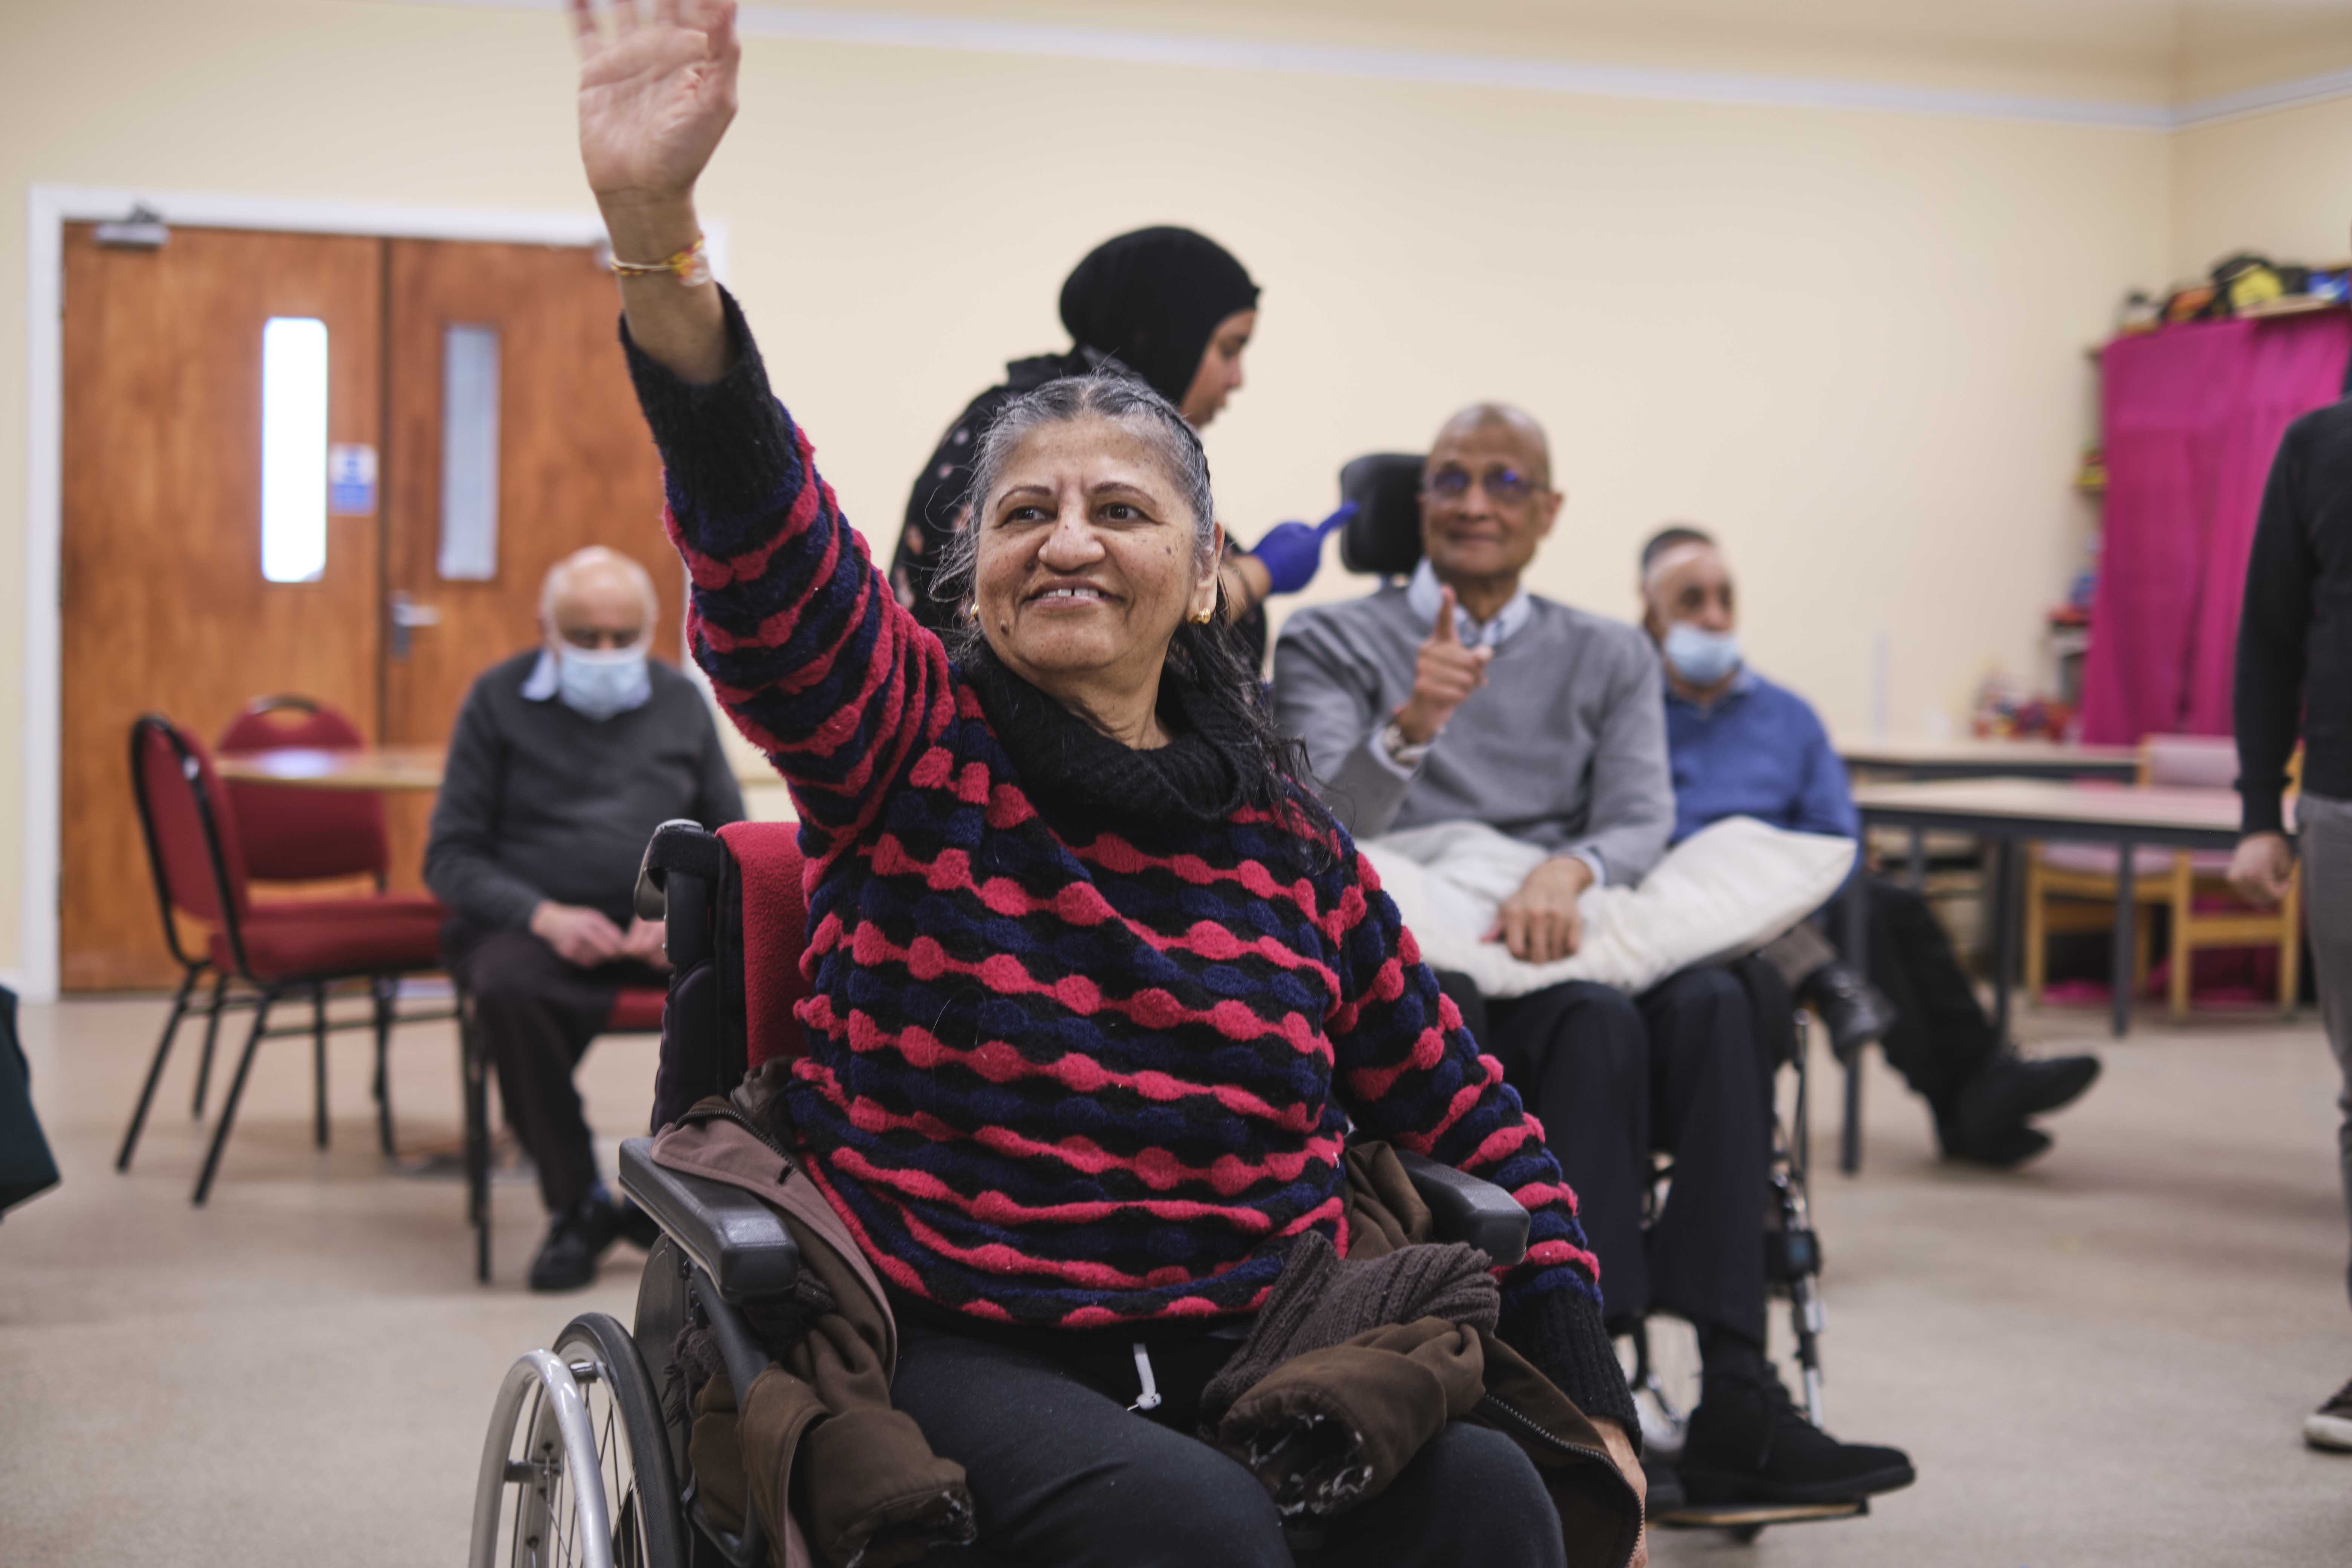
[1290, 552]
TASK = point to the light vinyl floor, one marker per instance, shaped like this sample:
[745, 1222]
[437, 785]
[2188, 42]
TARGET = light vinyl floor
[2101, 1359]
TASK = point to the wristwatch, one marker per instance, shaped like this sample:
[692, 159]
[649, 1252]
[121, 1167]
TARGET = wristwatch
[1404, 754]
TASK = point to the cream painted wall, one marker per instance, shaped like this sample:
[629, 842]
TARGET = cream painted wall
[2277, 183]
[1849, 342]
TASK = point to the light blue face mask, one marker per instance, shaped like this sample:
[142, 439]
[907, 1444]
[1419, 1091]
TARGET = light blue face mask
[597, 683]
[1701, 657]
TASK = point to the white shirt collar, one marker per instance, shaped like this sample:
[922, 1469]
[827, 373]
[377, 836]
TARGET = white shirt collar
[541, 684]
[1422, 594]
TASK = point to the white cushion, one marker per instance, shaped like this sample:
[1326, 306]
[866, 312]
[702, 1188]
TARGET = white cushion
[1727, 888]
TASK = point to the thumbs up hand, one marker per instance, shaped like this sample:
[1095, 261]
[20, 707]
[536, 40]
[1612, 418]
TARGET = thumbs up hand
[1443, 676]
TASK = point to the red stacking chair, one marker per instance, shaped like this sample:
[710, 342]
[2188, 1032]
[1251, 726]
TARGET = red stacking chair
[294, 834]
[304, 834]
[266, 951]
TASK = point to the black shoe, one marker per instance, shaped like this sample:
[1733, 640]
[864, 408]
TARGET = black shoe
[1664, 1492]
[1855, 1012]
[2009, 1089]
[636, 1226]
[575, 1240]
[2005, 1149]
[2330, 1426]
[1748, 1442]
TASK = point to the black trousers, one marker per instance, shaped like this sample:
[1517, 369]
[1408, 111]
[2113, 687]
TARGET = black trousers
[1679, 1068]
[536, 1015]
[1064, 1474]
[1941, 1036]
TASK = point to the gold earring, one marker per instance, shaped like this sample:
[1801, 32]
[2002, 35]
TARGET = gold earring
[1205, 616]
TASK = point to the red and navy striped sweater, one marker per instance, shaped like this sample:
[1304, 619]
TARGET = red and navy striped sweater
[1070, 1065]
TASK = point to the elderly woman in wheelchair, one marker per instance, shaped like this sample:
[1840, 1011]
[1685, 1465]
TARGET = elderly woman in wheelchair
[1099, 996]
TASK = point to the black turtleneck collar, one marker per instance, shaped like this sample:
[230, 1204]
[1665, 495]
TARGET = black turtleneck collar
[1060, 757]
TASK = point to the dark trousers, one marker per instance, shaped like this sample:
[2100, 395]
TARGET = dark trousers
[1678, 1068]
[1064, 1474]
[535, 1014]
[1941, 1036]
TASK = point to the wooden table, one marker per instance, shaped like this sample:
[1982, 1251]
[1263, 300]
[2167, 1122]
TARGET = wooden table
[2008, 809]
[1971, 758]
[377, 769]
[1974, 759]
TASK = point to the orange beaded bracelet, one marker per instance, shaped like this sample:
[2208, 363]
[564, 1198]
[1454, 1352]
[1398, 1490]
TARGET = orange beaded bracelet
[690, 265]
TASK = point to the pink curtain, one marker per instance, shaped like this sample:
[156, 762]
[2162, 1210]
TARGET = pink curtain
[2193, 415]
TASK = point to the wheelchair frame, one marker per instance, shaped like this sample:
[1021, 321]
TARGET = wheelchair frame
[1792, 1270]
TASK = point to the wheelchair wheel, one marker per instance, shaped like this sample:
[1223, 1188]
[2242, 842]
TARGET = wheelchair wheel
[576, 1470]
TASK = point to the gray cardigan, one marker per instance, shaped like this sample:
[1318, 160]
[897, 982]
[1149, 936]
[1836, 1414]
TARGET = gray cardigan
[539, 801]
[1564, 747]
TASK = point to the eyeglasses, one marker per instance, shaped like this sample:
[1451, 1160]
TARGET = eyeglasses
[1504, 487]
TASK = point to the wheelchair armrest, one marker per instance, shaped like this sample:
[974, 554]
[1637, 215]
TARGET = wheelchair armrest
[739, 1242]
[1464, 1208]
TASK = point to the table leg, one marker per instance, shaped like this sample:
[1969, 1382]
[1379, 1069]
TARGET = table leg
[2004, 933]
[1856, 914]
[1918, 860]
[2120, 972]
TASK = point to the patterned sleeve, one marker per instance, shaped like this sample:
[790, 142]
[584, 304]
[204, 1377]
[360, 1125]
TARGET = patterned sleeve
[1408, 1071]
[810, 652]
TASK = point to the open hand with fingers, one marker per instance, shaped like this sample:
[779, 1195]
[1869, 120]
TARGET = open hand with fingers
[657, 93]
[1445, 674]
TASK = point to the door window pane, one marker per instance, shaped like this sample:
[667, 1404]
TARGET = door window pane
[293, 449]
[469, 454]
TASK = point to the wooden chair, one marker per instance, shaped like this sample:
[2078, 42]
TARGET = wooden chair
[2072, 887]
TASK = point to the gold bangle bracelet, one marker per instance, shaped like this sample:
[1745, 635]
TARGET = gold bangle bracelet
[689, 266]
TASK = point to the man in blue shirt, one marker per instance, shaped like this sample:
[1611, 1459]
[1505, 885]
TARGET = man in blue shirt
[1740, 746]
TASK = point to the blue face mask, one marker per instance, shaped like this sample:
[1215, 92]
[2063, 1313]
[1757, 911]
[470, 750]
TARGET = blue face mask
[1701, 657]
[597, 683]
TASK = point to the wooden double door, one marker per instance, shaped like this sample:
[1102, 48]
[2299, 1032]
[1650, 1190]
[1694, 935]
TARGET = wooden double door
[165, 605]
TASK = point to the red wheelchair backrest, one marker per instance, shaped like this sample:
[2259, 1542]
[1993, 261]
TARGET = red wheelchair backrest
[774, 910]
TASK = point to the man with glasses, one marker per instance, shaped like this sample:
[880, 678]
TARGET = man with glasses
[565, 759]
[1460, 696]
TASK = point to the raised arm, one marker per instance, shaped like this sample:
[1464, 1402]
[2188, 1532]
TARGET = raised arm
[657, 93]
[804, 645]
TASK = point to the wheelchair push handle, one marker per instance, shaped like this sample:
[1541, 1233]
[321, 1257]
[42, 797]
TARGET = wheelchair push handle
[677, 882]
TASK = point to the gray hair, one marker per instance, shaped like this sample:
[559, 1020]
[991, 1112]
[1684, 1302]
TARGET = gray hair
[1122, 399]
[560, 575]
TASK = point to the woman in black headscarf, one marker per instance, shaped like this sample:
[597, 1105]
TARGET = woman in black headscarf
[1176, 309]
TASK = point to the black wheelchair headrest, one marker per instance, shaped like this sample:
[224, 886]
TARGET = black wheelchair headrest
[1384, 536]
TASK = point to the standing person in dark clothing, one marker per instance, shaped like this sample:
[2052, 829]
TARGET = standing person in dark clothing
[2295, 678]
[1741, 746]
[565, 759]
[1171, 307]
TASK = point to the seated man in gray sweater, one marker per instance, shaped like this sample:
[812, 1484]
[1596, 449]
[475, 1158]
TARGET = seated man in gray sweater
[1459, 695]
[565, 759]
